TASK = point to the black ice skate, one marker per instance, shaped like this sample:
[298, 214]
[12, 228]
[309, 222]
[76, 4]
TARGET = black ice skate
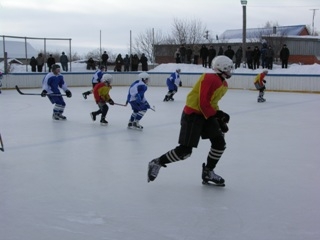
[93, 116]
[103, 122]
[153, 169]
[61, 117]
[260, 99]
[208, 176]
[136, 125]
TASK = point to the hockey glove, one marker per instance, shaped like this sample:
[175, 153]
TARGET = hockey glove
[180, 84]
[68, 93]
[43, 93]
[264, 81]
[111, 102]
[224, 117]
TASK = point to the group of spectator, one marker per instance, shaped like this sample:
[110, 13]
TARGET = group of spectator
[37, 63]
[254, 58]
[131, 63]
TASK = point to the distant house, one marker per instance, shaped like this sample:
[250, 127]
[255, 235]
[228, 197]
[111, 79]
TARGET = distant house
[303, 48]
[17, 49]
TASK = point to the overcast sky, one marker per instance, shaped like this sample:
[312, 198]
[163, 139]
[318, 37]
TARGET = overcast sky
[82, 20]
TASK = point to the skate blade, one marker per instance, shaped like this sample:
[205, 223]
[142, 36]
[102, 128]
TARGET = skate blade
[137, 129]
[213, 184]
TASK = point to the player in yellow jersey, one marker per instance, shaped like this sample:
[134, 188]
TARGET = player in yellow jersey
[202, 118]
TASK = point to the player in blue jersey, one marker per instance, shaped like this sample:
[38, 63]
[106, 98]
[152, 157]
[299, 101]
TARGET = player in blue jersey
[137, 100]
[173, 82]
[95, 80]
[50, 85]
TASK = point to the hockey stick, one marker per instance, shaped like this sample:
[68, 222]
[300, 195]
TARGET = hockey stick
[153, 108]
[119, 104]
[1, 143]
[39, 94]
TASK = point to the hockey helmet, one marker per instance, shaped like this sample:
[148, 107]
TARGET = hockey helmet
[143, 76]
[265, 71]
[107, 78]
[223, 65]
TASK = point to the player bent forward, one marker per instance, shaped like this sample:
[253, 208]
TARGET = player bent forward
[259, 83]
[201, 117]
[101, 96]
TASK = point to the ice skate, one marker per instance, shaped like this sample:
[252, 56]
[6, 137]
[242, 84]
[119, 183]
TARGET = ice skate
[130, 124]
[93, 116]
[260, 99]
[136, 125]
[166, 99]
[103, 122]
[55, 116]
[84, 95]
[61, 117]
[153, 169]
[209, 176]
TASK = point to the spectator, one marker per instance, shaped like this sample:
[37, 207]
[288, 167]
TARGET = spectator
[119, 63]
[91, 65]
[50, 62]
[183, 52]
[177, 56]
[204, 52]
[238, 57]
[256, 57]
[33, 64]
[144, 62]
[135, 62]
[212, 54]
[189, 54]
[263, 54]
[40, 62]
[249, 58]
[284, 56]
[229, 52]
[105, 58]
[269, 57]
[126, 63]
[64, 62]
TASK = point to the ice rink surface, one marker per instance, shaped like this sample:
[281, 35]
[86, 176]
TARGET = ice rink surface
[77, 180]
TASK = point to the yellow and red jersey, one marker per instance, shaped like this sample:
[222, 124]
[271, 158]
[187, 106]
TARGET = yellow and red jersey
[205, 95]
[259, 79]
[101, 92]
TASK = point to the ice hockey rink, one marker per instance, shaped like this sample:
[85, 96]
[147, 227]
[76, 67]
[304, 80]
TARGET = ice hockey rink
[77, 180]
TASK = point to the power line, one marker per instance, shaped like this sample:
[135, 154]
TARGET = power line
[313, 15]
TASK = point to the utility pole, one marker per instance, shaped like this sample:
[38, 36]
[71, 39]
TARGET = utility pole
[313, 15]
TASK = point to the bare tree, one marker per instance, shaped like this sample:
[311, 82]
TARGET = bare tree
[188, 31]
[145, 41]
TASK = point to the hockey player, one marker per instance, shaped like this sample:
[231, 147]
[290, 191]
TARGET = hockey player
[201, 118]
[173, 82]
[95, 80]
[137, 100]
[50, 85]
[102, 97]
[259, 83]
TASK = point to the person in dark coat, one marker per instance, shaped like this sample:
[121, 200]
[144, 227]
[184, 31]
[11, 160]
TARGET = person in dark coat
[263, 54]
[183, 53]
[204, 52]
[135, 62]
[50, 62]
[249, 57]
[33, 63]
[212, 54]
[64, 62]
[238, 57]
[284, 56]
[119, 63]
[105, 58]
[40, 62]
[189, 54]
[269, 57]
[126, 63]
[229, 52]
[91, 65]
[256, 57]
[144, 62]
[220, 51]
